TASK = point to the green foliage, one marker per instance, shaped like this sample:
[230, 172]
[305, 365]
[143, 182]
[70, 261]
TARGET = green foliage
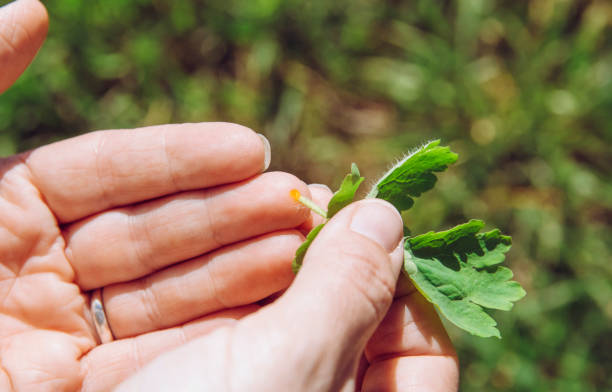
[454, 272]
[345, 195]
[452, 268]
[413, 175]
[521, 90]
[301, 251]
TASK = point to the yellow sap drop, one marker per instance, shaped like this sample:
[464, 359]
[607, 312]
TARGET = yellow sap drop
[295, 194]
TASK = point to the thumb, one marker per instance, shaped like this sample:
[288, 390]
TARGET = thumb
[312, 337]
[23, 27]
[345, 286]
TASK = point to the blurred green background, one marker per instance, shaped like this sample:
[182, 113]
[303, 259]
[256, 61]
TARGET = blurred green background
[522, 90]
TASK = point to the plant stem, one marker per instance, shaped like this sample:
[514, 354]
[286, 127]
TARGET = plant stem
[296, 195]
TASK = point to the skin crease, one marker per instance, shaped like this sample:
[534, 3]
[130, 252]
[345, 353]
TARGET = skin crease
[177, 302]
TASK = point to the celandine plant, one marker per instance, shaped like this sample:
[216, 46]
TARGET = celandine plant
[457, 269]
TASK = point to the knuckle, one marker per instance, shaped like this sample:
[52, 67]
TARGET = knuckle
[150, 303]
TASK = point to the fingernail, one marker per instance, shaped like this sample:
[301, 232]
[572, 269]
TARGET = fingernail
[380, 222]
[397, 256]
[267, 152]
[322, 186]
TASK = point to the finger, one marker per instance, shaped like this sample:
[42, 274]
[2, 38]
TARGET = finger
[131, 242]
[339, 296]
[413, 374]
[320, 195]
[93, 172]
[410, 344]
[23, 27]
[109, 364]
[357, 254]
[236, 275]
[128, 243]
[411, 327]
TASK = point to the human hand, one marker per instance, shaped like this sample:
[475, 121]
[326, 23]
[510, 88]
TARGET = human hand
[337, 328]
[63, 234]
[174, 223]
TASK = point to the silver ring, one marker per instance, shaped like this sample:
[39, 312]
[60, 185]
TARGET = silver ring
[105, 335]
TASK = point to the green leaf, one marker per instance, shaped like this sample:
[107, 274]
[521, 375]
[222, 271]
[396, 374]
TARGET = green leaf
[345, 195]
[413, 175]
[301, 251]
[457, 271]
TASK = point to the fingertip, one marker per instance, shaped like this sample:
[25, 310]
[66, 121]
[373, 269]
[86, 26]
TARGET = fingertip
[380, 222]
[253, 145]
[322, 187]
[320, 195]
[285, 183]
[280, 185]
[33, 9]
[23, 28]
[42, 16]
[37, 18]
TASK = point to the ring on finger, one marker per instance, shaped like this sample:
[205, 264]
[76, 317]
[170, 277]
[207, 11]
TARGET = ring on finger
[105, 335]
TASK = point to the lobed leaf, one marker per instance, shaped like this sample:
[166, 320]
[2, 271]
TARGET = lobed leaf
[457, 271]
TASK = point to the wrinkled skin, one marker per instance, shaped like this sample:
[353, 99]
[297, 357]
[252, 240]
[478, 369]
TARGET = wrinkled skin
[53, 254]
[187, 239]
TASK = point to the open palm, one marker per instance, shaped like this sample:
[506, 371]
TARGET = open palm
[88, 220]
